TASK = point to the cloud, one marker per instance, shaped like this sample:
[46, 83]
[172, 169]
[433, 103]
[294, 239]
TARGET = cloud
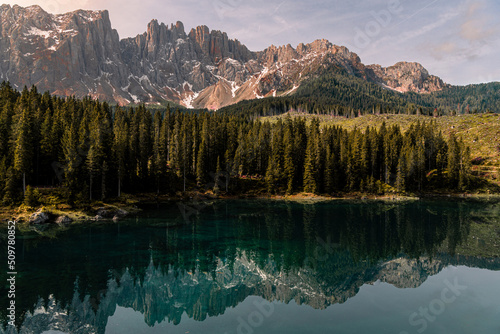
[475, 25]
[443, 19]
[443, 50]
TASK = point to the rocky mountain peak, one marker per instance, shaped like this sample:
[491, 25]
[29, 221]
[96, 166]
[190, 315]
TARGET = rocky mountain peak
[217, 46]
[78, 53]
[179, 27]
[407, 77]
[319, 45]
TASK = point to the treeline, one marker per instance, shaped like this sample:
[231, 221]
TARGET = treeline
[351, 90]
[471, 98]
[341, 88]
[94, 151]
[335, 92]
[273, 106]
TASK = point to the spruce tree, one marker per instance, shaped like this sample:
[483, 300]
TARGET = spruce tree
[289, 167]
[23, 147]
[202, 163]
[71, 160]
[453, 165]
[401, 175]
[158, 157]
[465, 166]
[310, 185]
[120, 146]
[329, 171]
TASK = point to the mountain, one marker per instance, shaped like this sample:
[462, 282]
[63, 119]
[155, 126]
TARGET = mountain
[174, 295]
[78, 53]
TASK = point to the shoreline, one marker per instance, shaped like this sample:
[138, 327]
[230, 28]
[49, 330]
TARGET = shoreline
[117, 209]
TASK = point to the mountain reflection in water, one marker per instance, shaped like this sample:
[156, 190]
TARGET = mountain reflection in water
[167, 267]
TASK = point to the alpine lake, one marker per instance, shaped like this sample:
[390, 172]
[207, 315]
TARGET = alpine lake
[264, 266]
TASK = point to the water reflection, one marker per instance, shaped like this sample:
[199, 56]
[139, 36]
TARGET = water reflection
[166, 268]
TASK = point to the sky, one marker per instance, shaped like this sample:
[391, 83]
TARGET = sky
[457, 40]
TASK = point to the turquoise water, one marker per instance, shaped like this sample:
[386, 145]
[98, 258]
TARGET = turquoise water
[256, 266]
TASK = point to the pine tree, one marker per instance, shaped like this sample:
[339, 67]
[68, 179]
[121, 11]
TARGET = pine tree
[48, 146]
[176, 145]
[23, 147]
[289, 167]
[165, 145]
[10, 187]
[32, 197]
[145, 143]
[400, 175]
[202, 160]
[329, 171]
[133, 145]
[274, 172]
[3, 175]
[120, 145]
[310, 170]
[218, 173]
[95, 157]
[420, 163]
[354, 161]
[158, 157]
[465, 166]
[271, 177]
[453, 166]
[71, 159]
[6, 114]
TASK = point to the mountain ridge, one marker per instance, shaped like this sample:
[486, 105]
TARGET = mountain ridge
[79, 53]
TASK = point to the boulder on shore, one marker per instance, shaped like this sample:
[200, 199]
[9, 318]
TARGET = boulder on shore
[119, 214]
[104, 213]
[110, 213]
[39, 217]
[63, 220]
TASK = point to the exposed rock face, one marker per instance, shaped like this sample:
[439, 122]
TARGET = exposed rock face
[73, 53]
[407, 77]
[79, 53]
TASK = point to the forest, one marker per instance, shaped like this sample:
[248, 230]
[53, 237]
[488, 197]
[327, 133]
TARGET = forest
[90, 150]
[334, 92]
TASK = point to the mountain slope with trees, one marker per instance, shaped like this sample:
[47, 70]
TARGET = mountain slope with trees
[332, 90]
[90, 151]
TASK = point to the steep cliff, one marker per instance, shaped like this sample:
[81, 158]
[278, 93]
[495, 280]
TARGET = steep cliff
[79, 53]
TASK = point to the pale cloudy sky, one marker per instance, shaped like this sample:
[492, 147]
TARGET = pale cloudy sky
[458, 40]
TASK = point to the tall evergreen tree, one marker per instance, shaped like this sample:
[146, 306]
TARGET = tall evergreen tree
[310, 168]
[71, 159]
[289, 166]
[120, 145]
[202, 160]
[24, 146]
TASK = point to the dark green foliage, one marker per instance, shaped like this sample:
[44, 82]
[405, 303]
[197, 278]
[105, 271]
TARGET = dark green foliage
[93, 151]
[32, 197]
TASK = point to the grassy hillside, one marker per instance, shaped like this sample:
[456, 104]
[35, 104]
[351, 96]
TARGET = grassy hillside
[481, 132]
